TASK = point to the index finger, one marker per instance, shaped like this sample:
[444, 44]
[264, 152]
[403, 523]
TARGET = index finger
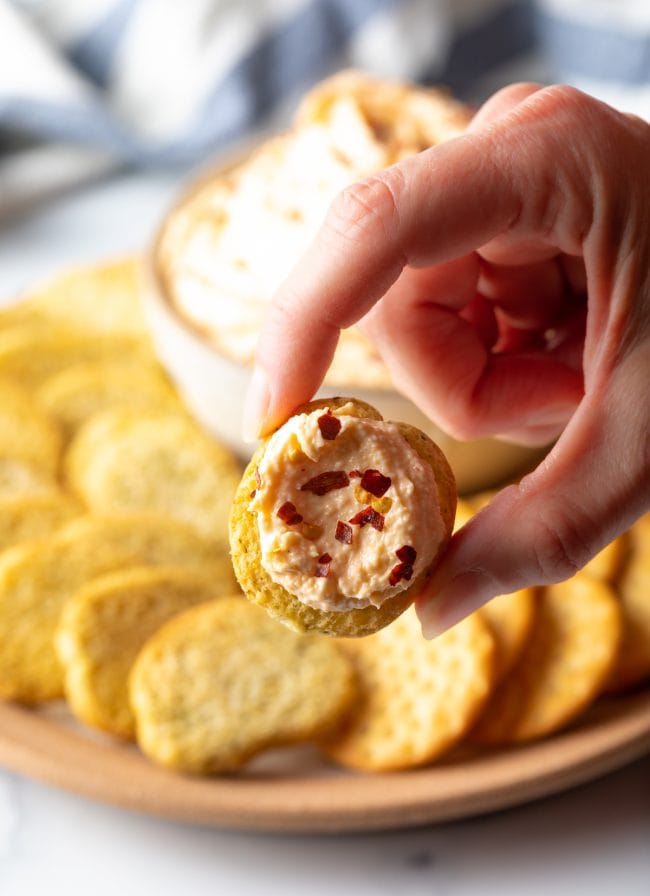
[430, 208]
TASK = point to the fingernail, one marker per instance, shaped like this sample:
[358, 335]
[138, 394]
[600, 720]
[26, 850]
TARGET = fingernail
[462, 595]
[256, 405]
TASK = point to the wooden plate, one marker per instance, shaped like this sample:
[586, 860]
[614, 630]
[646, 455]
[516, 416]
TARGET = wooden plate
[294, 790]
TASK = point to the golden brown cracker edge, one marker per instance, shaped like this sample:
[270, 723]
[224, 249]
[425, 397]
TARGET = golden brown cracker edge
[276, 600]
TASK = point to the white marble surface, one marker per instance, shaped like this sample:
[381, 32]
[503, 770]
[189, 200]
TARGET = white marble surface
[593, 840]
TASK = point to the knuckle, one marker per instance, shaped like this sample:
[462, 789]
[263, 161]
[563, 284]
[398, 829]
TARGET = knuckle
[560, 546]
[366, 211]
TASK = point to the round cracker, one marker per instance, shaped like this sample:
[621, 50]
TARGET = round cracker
[26, 432]
[31, 355]
[105, 624]
[633, 589]
[510, 616]
[74, 395]
[564, 667]
[30, 517]
[418, 698]
[19, 478]
[99, 298]
[607, 564]
[37, 578]
[129, 460]
[224, 681]
[260, 588]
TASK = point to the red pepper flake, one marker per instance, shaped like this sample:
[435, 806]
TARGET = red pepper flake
[253, 493]
[329, 425]
[288, 514]
[323, 568]
[355, 474]
[407, 554]
[326, 482]
[375, 483]
[368, 515]
[343, 533]
[399, 572]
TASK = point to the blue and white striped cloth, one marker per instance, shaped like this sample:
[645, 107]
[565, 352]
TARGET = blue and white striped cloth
[104, 83]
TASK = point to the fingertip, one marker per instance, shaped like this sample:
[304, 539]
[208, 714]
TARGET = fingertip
[256, 406]
[440, 607]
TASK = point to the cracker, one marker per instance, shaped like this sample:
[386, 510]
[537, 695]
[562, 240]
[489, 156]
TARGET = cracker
[510, 616]
[19, 478]
[607, 564]
[30, 517]
[30, 355]
[564, 667]
[276, 600]
[130, 460]
[105, 624]
[224, 681]
[37, 578]
[74, 395]
[633, 589]
[418, 698]
[98, 298]
[26, 432]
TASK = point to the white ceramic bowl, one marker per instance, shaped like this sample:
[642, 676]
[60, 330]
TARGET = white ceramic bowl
[214, 386]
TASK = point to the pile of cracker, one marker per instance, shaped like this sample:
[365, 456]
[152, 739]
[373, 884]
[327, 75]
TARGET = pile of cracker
[117, 591]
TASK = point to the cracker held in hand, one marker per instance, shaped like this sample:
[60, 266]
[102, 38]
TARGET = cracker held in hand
[37, 578]
[133, 460]
[340, 518]
[105, 624]
[224, 681]
[564, 667]
[418, 698]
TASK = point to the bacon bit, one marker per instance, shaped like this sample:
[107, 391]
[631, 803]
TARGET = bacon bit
[407, 554]
[323, 568]
[343, 533]
[258, 478]
[399, 572]
[253, 493]
[289, 515]
[368, 515]
[326, 482]
[355, 474]
[375, 483]
[329, 425]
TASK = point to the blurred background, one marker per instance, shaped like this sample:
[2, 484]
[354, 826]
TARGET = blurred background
[94, 87]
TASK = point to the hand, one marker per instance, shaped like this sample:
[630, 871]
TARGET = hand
[504, 277]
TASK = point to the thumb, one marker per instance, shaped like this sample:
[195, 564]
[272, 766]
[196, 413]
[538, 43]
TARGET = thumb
[589, 489]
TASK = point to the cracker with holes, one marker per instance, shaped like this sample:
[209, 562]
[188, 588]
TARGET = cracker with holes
[128, 460]
[633, 588]
[30, 355]
[418, 698]
[38, 578]
[98, 298]
[340, 517]
[30, 517]
[27, 433]
[105, 624]
[223, 681]
[563, 668]
[83, 390]
[510, 616]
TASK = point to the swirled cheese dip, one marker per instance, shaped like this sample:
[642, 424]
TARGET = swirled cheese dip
[224, 252]
[347, 510]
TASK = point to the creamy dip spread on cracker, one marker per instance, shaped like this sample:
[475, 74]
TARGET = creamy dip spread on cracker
[347, 511]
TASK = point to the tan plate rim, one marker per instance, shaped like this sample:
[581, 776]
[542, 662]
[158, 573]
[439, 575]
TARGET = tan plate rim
[614, 733]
